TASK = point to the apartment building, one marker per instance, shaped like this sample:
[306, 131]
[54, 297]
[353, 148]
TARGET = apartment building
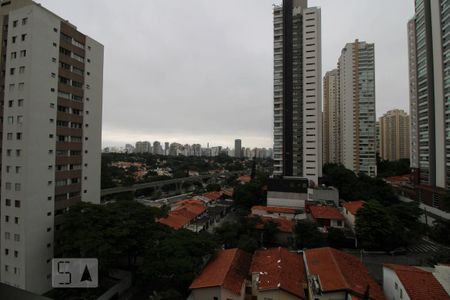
[297, 90]
[331, 123]
[357, 108]
[429, 56]
[394, 135]
[51, 81]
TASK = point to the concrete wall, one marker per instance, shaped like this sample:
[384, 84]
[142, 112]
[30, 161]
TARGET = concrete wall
[220, 293]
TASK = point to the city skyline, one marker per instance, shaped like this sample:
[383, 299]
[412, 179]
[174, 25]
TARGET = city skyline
[242, 85]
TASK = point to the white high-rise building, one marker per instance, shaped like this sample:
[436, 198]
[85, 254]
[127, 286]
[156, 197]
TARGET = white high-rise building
[357, 108]
[53, 83]
[297, 90]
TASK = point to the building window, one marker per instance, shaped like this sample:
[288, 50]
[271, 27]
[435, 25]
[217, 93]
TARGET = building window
[19, 136]
[24, 21]
[20, 102]
[18, 152]
[15, 23]
[9, 136]
[17, 187]
[21, 86]
[23, 37]
[11, 71]
[8, 188]
[16, 253]
[10, 103]
[7, 219]
[21, 70]
[14, 38]
[17, 237]
[19, 119]
[6, 251]
[10, 120]
[17, 203]
[13, 55]
[18, 169]
[16, 220]
[7, 235]
[23, 53]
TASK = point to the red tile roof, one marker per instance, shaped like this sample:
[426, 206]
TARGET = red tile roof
[339, 271]
[280, 269]
[275, 209]
[183, 214]
[284, 225]
[245, 179]
[325, 212]
[227, 269]
[213, 195]
[228, 192]
[419, 284]
[353, 206]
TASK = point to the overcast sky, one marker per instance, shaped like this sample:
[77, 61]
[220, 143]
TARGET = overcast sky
[198, 71]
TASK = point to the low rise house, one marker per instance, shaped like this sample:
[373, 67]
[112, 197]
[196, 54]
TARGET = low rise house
[350, 210]
[281, 212]
[416, 283]
[284, 236]
[244, 179]
[333, 274]
[327, 216]
[189, 214]
[278, 274]
[224, 277]
[289, 192]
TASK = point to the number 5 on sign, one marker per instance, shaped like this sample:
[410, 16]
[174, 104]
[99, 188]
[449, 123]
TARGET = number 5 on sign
[74, 273]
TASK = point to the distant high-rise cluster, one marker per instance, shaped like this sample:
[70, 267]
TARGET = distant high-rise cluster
[349, 110]
[297, 90]
[177, 149]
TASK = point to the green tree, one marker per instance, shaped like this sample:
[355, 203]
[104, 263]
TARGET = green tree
[336, 238]
[376, 229]
[307, 235]
[175, 260]
[213, 187]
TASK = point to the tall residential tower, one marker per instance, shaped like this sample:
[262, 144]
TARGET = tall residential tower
[357, 108]
[51, 95]
[429, 60]
[394, 135]
[297, 90]
[331, 123]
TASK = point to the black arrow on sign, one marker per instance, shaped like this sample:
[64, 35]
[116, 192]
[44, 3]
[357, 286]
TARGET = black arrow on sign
[86, 275]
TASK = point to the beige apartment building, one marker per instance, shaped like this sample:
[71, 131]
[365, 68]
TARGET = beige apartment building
[394, 135]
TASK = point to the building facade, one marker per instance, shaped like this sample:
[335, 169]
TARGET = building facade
[429, 57]
[357, 108]
[297, 90]
[51, 135]
[331, 122]
[394, 135]
[237, 148]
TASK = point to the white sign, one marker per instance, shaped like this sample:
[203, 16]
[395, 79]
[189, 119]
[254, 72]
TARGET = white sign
[74, 273]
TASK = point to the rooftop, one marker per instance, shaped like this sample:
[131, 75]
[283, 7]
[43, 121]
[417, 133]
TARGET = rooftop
[284, 225]
[184, 213]
[325, 212]
[340, 271]
[275, 209]
[353, 206]
[228, 269]
[280, 269]
[419, 283]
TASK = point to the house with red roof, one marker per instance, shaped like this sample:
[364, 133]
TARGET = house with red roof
[224, 277]
[416, 283]
[278, 274]
[350, 210]
[244, 179]
[327, 216]
[334, 274]
[278, 212]
[285, 233]
[187, 214]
